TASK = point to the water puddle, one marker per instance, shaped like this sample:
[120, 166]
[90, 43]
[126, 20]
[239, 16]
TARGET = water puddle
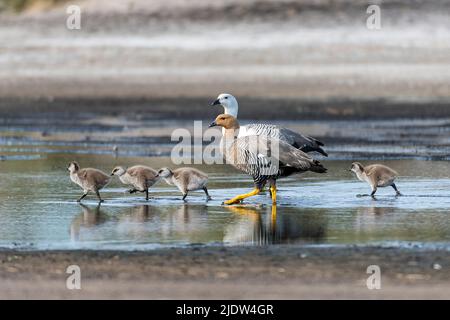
[38, 209]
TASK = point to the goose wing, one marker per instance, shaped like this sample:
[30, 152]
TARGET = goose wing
[267, 154]
[297, 140]
[133, 171]
[381, 173]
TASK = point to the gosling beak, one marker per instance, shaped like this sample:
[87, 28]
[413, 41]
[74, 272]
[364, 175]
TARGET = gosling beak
[215, 102]
[157, 176]
[213, 124]
[112, 174]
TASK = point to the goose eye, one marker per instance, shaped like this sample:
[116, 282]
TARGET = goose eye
[226, 97]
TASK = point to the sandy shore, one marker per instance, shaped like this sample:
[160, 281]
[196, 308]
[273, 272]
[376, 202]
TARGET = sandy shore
[279, 272]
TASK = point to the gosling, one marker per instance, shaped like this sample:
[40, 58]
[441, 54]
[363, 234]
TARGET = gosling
[186, 179]
[140, 177]
[90, 180]
[376, 175]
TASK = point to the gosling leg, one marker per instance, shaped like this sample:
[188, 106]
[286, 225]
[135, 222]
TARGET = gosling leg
[241, 197]
[132, 190]
[98, 196]
[184, 196]
[396, 190]
[374, 190]
[208, 197]
[146, 194]
[82, 197]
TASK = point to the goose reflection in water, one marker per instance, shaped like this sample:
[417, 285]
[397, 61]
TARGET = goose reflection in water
[370, 218]
[87, 219]
[265, 226]
[153, 223]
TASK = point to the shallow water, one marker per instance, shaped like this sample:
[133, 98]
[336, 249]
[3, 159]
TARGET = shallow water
[38, 209]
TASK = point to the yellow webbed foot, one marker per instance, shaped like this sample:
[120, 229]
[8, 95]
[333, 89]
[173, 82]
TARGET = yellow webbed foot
[232, 201]
[241, 197]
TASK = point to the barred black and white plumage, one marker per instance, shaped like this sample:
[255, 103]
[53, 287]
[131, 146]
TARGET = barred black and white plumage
[264, 158]
[297, 140]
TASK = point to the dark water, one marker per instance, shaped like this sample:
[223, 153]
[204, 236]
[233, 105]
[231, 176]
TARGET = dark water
[38, 209]
[420, 139]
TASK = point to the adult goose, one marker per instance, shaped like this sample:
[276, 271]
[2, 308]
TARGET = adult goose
[264, 158]
[297, 140]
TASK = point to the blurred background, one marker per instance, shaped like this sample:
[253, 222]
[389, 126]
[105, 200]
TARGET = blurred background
[315, 58]
[138, 69]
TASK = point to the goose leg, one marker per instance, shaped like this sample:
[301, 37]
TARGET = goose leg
[273, 193]
[208, 197]
[241, 197]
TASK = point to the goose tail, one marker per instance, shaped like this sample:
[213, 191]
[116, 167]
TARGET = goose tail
[318, 167]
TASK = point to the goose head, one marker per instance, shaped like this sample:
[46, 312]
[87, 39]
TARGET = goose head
[357, 168]
[118, 171]
[73, 167]
[228, 102]
[225, 121]
[164, 173]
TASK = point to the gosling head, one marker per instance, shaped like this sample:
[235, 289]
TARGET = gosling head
[357, 168]
[164, 173]
[73, 167]
[118, 171]
[229, 103]
[226, 121]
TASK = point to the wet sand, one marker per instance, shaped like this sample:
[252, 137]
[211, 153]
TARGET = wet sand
[279, 272]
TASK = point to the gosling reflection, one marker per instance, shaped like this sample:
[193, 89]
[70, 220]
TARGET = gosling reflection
[87, 219]
[374, 211]
[136, 222]
[147, 222]
[369, 218]
[266, 226]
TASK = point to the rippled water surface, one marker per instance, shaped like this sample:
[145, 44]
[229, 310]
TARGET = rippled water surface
[38, 209]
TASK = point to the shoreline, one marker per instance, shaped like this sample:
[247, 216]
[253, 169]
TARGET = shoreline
[168, 108]
[291, 272]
